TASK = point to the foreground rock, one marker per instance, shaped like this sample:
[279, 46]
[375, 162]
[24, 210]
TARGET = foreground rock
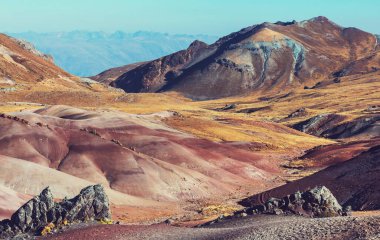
[40, 214]
[317, 202]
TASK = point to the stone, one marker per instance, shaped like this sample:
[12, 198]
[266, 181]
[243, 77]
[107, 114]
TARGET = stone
[228, 107]
[317, 202]
[169, 221]
[91, 204]
[301, 112]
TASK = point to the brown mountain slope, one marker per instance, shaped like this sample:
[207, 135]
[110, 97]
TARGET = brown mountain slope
[112, 74]
[370, 63]
[27, 75]
[20, 62]
[266, 57]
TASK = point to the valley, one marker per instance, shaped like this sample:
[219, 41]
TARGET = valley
[264, 112]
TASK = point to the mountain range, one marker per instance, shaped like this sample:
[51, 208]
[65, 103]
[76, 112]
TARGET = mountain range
[85, 53]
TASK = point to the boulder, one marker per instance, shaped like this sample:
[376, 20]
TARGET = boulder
[91, 204]
[317, 202]
[301, 112]
[319, 124]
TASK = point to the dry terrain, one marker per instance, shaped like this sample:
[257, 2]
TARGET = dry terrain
[163, 155]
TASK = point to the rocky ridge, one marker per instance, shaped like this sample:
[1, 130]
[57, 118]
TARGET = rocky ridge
[42, 213]
[20, 62]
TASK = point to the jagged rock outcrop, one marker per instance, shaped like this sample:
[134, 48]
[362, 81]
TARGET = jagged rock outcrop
[301, 112]
[368, 127]
[333, 126]
[31, 48]
[91, 204]
[319, 124]
[317, 202]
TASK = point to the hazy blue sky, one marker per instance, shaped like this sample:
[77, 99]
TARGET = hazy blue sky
[216, 17]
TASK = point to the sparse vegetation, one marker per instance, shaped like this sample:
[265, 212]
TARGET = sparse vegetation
[47, 229]
[106, 221]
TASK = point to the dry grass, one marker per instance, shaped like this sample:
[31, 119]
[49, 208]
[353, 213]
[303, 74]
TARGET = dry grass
[349, 97]
[216, 210]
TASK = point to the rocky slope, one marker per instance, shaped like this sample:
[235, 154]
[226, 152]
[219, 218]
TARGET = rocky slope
[21, 62]
[42, 212]
[265, 57]
[353, 182]
[29, 76]
[334, 126]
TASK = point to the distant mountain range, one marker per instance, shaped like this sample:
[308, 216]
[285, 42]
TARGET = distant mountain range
[85, 53]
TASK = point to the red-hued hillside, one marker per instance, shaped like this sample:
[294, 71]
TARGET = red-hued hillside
[131, 154]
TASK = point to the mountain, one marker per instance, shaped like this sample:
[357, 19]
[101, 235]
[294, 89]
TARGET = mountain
[268, 57]
[84, 53]
[112, 74]
[21, 62]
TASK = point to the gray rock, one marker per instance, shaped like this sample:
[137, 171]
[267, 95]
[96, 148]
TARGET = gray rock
[91, 204]
[317, 202]
[301, 112]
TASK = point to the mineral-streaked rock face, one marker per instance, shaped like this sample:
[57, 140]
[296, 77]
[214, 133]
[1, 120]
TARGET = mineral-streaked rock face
[334, 126]
[91, 204]
[319, 124]
[317, 202]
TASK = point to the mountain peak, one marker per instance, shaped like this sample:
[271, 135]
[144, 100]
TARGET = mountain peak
[197, 45]
[285, 23]
[320, 19]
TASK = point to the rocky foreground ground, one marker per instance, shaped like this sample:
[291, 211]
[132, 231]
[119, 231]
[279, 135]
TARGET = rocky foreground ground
[301, 215]
[251, 227]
